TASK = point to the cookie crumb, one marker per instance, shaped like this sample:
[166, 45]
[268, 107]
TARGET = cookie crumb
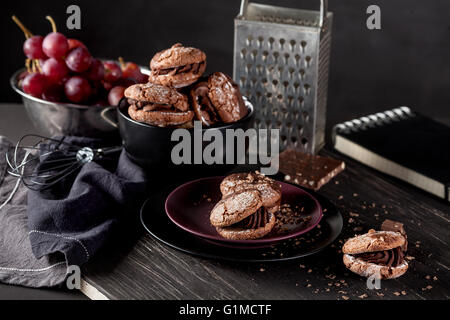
[262, 269]
[404, 292]
[341, 197]
[345, 297]
[363, 296]
[397, 293]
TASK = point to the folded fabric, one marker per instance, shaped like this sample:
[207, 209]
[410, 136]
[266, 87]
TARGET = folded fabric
[77, 216]
[18, 265]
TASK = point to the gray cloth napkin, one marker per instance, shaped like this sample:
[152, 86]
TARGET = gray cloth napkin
[18, 264]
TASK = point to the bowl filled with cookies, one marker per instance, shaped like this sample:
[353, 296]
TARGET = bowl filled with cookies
[178, 95]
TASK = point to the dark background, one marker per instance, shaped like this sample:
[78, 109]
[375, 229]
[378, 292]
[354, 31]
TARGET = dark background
[404, 63]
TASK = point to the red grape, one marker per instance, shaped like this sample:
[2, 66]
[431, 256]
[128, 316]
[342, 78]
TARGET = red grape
[34, 84]
[54, 93]
[132, 70]
[79, 59]
[112, 71]
[55, 70]
[55, 45]
[74, 43]
[115, 95]
[32, 47]
[96, 71]
[77, 89]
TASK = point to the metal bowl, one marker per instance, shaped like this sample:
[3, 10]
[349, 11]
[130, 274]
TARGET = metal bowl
[54, 118]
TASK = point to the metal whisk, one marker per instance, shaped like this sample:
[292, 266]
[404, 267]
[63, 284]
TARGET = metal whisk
[41, 162]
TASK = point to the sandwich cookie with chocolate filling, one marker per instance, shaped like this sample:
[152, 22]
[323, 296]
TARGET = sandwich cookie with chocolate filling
[377, 253]
[177, 66]
[158, 105]
[203, 108]
[226, 98]
[270, 190]
[241, 216]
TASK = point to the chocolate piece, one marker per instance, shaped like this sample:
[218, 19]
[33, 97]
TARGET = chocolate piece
[390, 225]
[307, 170]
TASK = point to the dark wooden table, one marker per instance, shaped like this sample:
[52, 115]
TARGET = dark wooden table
[151, 270]
[143, 268]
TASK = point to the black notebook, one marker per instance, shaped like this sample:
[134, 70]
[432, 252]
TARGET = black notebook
[401, 143]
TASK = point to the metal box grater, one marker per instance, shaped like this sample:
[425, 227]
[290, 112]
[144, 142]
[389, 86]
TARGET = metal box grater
[281, 62]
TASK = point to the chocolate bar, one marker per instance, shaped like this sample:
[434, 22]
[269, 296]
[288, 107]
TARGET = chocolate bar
[307, 170]
[390, 225]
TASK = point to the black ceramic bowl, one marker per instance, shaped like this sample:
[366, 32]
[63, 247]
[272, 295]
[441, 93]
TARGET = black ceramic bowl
[151, 146]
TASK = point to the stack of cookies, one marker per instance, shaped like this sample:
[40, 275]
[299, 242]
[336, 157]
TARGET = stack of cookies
[176, 93]
[248, 206]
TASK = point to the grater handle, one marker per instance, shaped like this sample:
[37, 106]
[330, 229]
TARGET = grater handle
[323, 10]
[244, 5]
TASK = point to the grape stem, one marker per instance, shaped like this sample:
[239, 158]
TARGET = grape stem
[52, 22]
[27, 65]
[122, 63]
[26, 32]
[38, 65]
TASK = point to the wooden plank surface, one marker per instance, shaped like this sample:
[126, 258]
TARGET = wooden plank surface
[146, 269]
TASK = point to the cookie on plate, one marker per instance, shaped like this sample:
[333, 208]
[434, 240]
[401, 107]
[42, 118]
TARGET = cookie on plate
[270, 190]
[235, 207]
[226, 98]
[241, 216]
[177, 66]
[253, 227]
[376, 253]
[158, 105]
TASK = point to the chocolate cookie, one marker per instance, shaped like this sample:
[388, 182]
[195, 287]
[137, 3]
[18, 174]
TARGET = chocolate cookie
[270, 190]
[235, 207]
[376, 253]
[253, 227]
[177, 66]
[158, 105]
[226, 98]
[157, 96]
[202, 105]
[160, 117]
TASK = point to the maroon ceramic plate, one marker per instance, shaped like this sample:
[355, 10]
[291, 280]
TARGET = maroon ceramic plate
[189, 206]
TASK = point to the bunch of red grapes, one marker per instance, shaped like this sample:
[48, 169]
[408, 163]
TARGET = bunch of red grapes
[63, 70]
